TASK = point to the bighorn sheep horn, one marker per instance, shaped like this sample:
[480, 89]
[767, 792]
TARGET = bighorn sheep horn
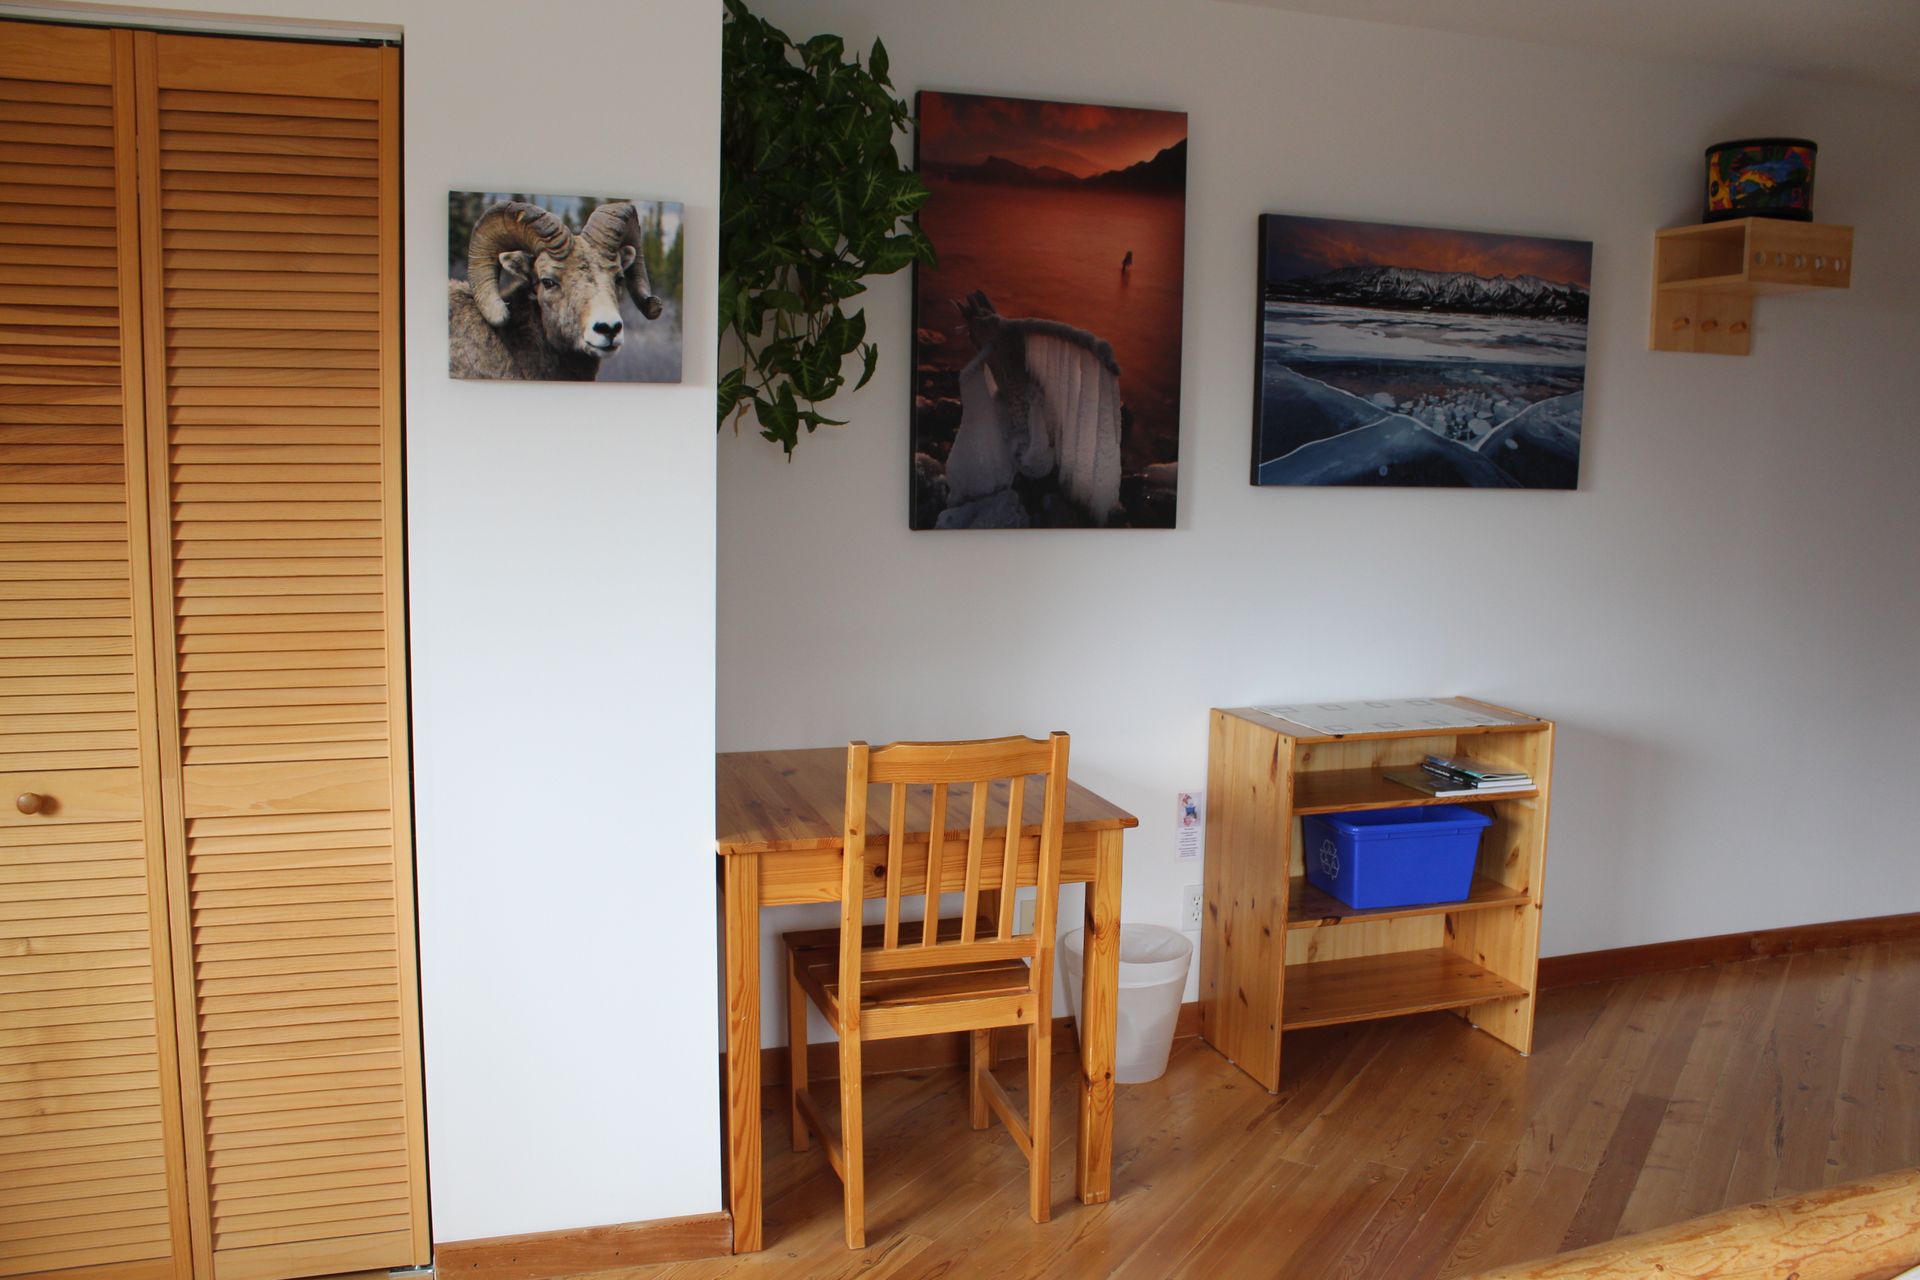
[616, 226]
[511, 226]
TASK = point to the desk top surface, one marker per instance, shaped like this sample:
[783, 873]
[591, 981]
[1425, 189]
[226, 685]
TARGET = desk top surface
[773, 801]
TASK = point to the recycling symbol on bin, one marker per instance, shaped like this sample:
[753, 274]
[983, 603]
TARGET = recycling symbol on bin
[1329, 858]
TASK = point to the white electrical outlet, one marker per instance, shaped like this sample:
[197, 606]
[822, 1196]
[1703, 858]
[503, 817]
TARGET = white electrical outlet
[1023, 908]
[1190, 911]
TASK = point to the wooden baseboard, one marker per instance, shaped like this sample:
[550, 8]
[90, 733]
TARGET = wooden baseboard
[544, 1255]
[1693, 953]
[928, 1053]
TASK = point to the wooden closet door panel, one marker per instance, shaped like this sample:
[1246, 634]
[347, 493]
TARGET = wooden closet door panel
[92, 1169]
[272, 284]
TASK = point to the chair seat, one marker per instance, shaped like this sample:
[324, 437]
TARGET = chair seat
[986, 994]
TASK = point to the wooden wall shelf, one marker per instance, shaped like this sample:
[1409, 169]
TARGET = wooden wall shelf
[1277, 954]
[1705, 277]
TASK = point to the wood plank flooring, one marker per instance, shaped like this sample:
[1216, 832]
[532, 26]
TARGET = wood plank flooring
[1410, 1148]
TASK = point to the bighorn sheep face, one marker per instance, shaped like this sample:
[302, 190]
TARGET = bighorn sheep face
[521, 256]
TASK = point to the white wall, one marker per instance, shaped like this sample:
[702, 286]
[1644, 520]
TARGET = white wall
[561, 584]
[1722, 619]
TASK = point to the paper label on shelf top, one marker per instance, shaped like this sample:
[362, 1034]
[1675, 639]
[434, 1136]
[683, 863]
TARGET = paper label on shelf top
[1385, 715]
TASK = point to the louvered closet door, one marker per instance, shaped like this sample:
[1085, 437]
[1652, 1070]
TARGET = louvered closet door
[270, 252]
[92, 1173]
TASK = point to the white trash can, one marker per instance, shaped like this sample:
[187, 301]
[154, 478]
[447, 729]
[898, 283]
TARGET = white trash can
[1153, 977]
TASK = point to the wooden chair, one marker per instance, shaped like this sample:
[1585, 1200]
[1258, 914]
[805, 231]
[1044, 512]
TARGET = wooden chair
[967, 974]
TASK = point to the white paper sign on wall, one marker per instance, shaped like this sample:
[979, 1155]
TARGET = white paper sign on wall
[1190, 826]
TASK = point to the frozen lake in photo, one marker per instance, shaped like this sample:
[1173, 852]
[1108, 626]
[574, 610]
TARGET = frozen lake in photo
[1364, 395]
[1299, 332]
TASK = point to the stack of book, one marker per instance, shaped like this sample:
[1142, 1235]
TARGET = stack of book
[1462, 776]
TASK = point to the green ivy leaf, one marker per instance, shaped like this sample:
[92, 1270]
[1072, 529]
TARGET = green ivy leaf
[822, 49]
[732, 388]
[813, 197]
[779, 419]
[855, 332]
[819, 232]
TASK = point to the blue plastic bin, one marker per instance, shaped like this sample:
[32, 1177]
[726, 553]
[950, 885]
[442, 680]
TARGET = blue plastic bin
[1394, 857]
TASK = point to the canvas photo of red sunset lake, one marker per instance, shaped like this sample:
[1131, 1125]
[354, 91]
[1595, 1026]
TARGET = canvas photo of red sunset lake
[1046, 385]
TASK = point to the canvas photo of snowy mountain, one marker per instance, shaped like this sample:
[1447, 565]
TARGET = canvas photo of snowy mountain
[1046, 352]
[1412, 356]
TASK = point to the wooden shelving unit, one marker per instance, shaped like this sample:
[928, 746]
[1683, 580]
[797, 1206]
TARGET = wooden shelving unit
[1705, 277]
[1277, 954]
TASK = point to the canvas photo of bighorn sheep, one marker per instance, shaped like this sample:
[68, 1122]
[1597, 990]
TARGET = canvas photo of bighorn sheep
[1046, 385]
[563, 288]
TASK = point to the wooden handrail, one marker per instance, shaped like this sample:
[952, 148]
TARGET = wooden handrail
[1864, 1230]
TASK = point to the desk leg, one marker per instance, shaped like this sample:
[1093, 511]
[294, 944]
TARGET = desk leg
[1099, 998]
[741, 911]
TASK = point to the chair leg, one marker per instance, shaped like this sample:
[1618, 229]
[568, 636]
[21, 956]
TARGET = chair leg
[1040, 1116]
[979, 1062]
[796, 1052]
[852, 1146]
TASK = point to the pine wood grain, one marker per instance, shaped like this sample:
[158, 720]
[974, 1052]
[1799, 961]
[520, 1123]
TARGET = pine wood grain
[780, 822]
[942, 977]
[1409, 1149]
[1264, 931]
[274, 489]
[1857, 1231]
[562, 1253]
[92, 1160]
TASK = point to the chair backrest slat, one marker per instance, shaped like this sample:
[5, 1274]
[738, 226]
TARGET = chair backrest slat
[896, 860]
[976, 855]
[1010, 859]
[936, 854]
[938, 765]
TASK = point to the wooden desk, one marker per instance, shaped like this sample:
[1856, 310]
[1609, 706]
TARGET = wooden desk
[778, 820]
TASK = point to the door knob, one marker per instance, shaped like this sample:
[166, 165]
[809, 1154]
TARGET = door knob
[29, 803]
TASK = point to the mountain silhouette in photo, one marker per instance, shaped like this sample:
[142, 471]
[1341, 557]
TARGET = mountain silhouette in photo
[1403, 288]
[1165, 172]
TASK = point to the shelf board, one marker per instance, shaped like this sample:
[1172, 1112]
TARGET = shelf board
[1327, 992]
[1735, 283]
[1310, 908]
[1725, 229]
[1509, 721]
[1341, 790]
[1745, 284]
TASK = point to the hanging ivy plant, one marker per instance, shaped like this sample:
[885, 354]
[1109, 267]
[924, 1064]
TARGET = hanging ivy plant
[813, 198]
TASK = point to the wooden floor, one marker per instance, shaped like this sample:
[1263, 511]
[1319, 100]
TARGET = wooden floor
[1411, 1148]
